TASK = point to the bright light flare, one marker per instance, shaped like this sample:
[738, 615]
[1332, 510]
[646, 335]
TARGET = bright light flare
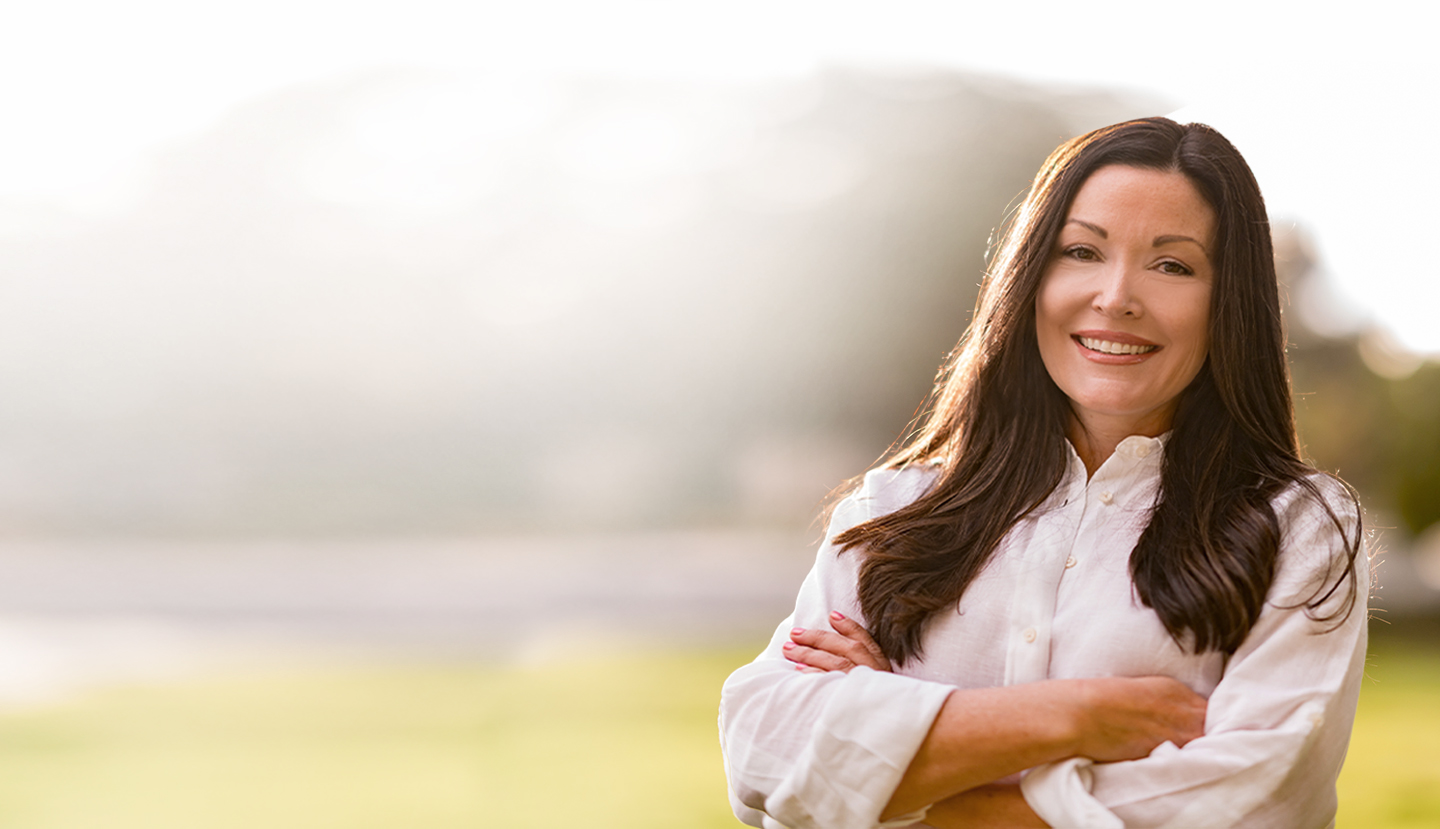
[428, 146]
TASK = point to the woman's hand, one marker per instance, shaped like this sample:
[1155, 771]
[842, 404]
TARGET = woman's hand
[818, 651]
[1125, 718]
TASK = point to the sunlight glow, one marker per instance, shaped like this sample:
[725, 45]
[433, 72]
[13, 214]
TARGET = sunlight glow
[92, 92]
[424, 147]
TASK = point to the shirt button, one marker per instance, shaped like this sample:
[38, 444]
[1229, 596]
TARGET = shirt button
[1142, 450]
[1028, 635]
[1107, 497]
[1069, 562]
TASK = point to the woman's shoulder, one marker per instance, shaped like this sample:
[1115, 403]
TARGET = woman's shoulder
[1317, 498]
[887, 489]
[880, 492]
[1320, 527]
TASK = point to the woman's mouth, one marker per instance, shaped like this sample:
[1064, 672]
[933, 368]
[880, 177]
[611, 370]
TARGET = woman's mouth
[1112, 347]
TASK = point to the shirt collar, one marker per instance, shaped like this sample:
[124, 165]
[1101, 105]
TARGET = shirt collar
[1139, 446]
[1135, 465]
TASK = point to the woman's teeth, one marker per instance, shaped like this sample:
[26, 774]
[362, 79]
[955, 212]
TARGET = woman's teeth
[1107, 347]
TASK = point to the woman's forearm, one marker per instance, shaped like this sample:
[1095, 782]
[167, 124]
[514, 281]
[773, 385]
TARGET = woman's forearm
[988, 807]
[984, 734]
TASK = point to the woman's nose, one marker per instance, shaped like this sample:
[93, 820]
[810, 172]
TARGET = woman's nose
[1115, 292]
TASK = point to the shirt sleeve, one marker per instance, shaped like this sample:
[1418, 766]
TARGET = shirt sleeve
[1277, 724]
[806, 750]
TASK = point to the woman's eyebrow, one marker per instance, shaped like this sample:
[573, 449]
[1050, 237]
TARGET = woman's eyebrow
[1165, 240]
[1093, 228]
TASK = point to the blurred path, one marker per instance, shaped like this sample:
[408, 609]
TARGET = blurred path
[77, 613]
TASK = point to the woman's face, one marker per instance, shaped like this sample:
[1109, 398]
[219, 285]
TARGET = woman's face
[1123, 311]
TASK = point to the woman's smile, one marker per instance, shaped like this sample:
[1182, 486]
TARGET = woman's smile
[1099, 345]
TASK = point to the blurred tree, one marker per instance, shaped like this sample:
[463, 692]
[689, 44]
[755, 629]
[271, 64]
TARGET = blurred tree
[1416, 447]
[1380, 433]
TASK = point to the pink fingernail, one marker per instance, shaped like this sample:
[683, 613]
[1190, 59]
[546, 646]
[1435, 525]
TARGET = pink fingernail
[835, 614]
[796, 631]
[788, 645]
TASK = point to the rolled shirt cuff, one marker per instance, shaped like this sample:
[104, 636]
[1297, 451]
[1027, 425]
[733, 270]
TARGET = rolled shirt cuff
[1060, 794]
[861, 746]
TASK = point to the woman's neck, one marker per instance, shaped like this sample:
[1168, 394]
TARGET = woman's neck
[1092, 449]
[1095, 439]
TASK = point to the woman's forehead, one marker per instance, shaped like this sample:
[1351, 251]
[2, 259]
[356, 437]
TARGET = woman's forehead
[1133, 200]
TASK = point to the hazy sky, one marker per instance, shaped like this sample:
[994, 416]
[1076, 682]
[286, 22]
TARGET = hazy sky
[1335, 113]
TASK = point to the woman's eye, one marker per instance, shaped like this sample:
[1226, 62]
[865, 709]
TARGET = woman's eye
[1081, 252]
[1175, 268]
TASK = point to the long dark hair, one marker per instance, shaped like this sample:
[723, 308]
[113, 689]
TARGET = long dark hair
[996, 422]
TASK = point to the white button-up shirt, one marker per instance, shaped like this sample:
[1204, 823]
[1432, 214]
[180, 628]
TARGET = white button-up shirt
[1056, 601]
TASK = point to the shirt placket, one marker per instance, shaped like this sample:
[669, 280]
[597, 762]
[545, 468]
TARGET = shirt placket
[1032, 616]
[1103, 496]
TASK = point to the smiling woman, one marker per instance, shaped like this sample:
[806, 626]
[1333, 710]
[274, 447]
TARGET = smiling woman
[1098, 587]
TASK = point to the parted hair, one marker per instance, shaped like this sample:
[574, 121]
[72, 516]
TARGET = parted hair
[995, 424]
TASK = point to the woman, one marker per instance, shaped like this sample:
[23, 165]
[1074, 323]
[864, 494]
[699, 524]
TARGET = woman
[1098, 588]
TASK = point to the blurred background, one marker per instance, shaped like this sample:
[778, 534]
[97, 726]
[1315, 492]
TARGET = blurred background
[407, 408]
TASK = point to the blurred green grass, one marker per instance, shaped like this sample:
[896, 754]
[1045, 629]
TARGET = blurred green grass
[1391, 778]
[617, 742]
